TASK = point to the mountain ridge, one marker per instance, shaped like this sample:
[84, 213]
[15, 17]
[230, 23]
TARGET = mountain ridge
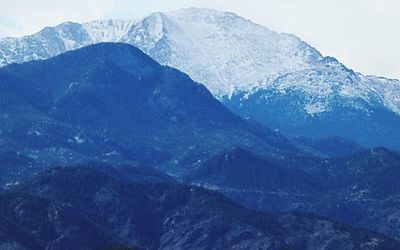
[97, 31]
[84, 208]
[274, 78]
[112, 101]
[359, 188]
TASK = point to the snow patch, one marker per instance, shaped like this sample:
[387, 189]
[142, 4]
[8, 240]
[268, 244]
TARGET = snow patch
[315, 108]
[78, 139]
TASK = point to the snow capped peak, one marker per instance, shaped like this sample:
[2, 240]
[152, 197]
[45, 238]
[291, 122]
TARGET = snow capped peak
[194, 13]
[387, 89]
[225, 52]
[239, 53]
[155, 24]
[68, 33]
[108, 30]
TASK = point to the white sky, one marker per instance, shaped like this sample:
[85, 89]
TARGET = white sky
[363, 34]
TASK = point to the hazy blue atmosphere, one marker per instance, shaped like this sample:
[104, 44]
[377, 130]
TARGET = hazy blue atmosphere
[188, 124]
[363, 34]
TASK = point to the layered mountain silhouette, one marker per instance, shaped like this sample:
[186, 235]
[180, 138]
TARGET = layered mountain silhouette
[85, 208]
[115, 104]
[360, 189]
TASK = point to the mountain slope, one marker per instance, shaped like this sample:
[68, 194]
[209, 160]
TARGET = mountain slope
[274, 185]
[111, 102]
[272, 77]
[366, 184]
[327, 147]
[85, 208]
[360, 188]
[15, 167]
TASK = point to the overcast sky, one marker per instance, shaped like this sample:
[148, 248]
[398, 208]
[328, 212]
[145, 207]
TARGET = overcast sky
[363, 34]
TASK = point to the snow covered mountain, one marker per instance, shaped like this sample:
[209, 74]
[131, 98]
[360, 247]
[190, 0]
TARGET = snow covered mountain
[247, 66]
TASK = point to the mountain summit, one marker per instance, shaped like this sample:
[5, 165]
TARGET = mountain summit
[222, 50]
[111, 102]
[272, 77]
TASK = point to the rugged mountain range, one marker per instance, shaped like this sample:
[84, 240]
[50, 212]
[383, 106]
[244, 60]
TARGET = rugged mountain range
[85, 208]
[113, 103]
[272, 77]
